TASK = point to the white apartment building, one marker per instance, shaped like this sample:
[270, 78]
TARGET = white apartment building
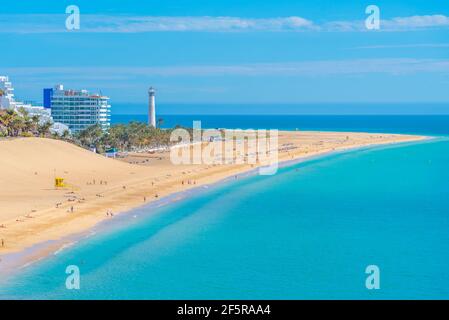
[8, 101]
[6, 93]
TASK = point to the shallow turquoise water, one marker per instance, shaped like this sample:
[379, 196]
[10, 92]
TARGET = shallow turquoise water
[307, 232]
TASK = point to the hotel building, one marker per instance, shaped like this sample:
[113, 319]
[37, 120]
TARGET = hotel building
[6, 93]
[78, 109]
[8, 101]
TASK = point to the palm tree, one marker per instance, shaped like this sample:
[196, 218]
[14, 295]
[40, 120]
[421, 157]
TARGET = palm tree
[35, 123]
[3, 126]
[44, 129]
[91, 136]
[6, 119]
[65, 135]
[17, 126]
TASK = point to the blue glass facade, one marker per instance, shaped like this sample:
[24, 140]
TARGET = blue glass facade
[48, 93]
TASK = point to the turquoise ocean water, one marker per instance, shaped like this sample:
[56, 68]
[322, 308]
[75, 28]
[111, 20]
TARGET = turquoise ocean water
[307, 232]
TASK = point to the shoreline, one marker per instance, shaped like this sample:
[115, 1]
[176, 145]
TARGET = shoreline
[13, 262]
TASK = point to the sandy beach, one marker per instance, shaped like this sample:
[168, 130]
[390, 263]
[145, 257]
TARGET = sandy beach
[33, 211]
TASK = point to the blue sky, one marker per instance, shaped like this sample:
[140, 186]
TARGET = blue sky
[231, 52]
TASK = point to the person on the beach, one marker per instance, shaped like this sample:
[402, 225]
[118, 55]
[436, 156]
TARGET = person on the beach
[71, 209]
[3, 243]
[144, 199]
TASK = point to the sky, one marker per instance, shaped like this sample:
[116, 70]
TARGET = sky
[232, 52]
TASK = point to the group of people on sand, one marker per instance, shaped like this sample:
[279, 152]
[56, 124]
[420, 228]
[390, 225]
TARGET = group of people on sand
[145, 198]
[102, 182]
[189, 182]
[28, 216]
[109, 213]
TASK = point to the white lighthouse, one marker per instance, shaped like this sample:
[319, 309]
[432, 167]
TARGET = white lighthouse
[151, 107]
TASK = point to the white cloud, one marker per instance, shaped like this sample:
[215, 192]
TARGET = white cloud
[428, 21]
[208, 24]
[412, 23]
[54, 23]
[405, 46]
[135, 24]
[304, 68]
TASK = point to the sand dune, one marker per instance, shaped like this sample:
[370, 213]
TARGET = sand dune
[28, 168]
[29, 213]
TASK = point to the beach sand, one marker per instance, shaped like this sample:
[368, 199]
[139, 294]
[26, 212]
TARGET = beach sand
[33, 211]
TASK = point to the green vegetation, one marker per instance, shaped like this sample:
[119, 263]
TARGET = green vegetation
[125, 137]
[21, 124]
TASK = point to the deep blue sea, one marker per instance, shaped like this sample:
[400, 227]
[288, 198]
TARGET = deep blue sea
[432, 124]
[307, 232]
